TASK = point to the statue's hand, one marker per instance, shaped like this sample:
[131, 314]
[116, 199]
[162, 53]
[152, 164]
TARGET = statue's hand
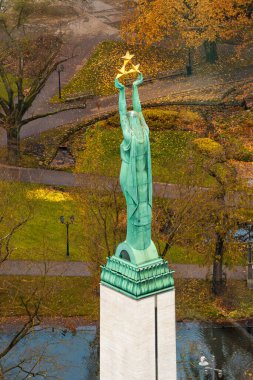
[118, 85]
[139, 80]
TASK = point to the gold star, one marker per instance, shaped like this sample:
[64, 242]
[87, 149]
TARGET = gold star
[128, 56]
[122, 70]
[136, 68]
[131, 71]
[118, 76]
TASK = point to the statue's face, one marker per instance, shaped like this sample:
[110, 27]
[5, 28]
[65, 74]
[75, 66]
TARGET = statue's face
[134, 120]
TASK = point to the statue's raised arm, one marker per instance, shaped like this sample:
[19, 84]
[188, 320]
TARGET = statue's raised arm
[123, 110]
[136, 100]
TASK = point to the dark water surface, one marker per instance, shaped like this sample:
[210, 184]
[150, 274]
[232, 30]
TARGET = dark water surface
[62, 355]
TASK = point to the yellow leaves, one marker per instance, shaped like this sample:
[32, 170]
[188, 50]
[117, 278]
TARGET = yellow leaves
[48, 195]
[194, 21]
[209, 148]
[97, 75]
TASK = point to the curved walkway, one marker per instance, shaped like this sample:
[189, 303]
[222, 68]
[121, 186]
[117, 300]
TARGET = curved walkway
[81, 269]
[148, 93]
[88, 181]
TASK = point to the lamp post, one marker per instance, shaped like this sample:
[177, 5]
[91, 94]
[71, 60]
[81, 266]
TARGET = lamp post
[245, 235]
[67, 223]
[59, 70]
[210, 369]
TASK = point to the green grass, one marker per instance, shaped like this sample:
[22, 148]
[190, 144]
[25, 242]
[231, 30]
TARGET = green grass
[171, 147]
[98, 73]
[185, 255]
[70, 297]
[42, 236]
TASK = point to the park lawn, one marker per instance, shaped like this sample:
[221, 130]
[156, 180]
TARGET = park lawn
[98, 73]
[43, 237]
[74, 296]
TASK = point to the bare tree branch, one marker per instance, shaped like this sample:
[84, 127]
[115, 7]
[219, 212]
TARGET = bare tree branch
[41, 116]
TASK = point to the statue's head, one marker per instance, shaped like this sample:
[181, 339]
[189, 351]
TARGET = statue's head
[134, 120]
[132, 114]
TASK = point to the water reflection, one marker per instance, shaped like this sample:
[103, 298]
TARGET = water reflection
[232, 348]
[61, 354]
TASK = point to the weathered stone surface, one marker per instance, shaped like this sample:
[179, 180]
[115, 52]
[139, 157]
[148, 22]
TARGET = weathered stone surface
[128, 335]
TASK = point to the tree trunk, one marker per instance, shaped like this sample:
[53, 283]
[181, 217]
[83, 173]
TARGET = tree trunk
[218, 281]
[13, 144]
[189, 64]
[211, 51]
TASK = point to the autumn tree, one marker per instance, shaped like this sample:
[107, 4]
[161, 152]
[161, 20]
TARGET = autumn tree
[104, 221]
[191, 22]
[226, 207]
[28, 55]
[11, 221]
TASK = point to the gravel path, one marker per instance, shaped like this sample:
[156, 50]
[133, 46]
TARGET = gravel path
[75, 268]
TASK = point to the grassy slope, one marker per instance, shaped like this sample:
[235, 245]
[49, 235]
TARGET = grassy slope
[73, 297]
[170, 146]
[97, 73]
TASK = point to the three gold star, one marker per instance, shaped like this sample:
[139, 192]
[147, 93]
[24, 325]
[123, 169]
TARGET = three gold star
[128, 59]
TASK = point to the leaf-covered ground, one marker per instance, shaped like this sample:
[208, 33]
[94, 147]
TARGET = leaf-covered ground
[96, 76]
[70, 297]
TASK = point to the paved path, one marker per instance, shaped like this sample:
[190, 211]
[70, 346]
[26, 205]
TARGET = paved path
[75, 268]
[89, 181]
[95, 25]
[158, 89]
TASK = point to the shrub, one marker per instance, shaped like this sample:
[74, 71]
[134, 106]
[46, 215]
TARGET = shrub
[210, 148]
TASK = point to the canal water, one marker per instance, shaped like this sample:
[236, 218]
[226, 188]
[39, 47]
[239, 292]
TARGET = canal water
[65, 355]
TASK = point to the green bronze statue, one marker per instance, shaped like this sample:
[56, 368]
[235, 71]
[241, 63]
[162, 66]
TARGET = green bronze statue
[136, 269]
[136, 174]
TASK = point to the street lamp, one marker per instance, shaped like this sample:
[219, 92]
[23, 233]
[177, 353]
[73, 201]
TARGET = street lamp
[60, 69]
[67, 223]
[245, 235]
[204, 364]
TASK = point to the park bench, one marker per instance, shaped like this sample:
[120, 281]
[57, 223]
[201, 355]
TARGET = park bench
[160, 76]
[79, 97]
[170, 74]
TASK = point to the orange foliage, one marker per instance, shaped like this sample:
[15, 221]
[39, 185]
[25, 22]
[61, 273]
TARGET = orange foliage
[193, 21]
